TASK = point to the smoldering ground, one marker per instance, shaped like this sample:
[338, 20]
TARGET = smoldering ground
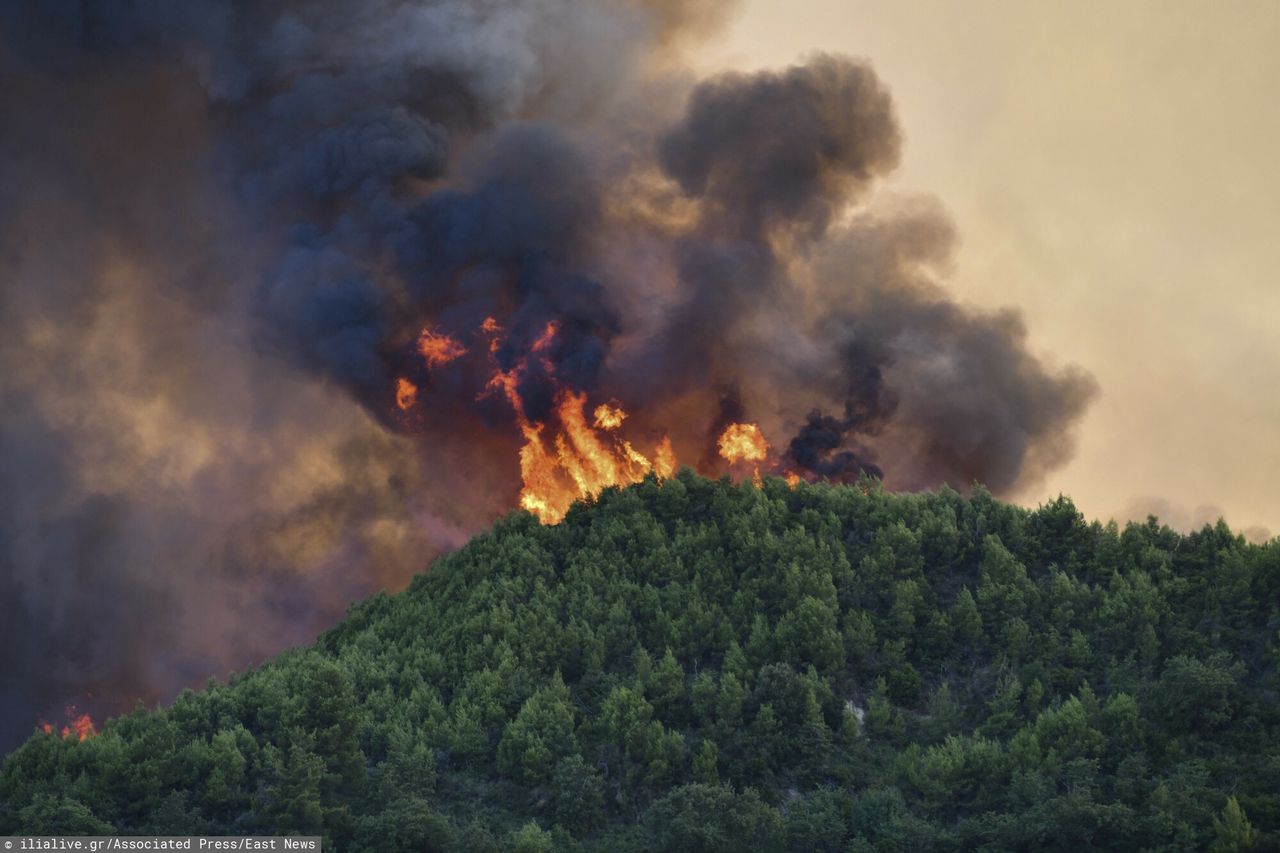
[223, 226]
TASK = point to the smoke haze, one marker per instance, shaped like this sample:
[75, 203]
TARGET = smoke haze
[224, 229]
[1122, 196]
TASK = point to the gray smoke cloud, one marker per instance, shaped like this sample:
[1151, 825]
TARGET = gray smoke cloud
[224, 225]
[1185, 519]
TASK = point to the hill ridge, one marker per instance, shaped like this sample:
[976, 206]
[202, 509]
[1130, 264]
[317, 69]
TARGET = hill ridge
[681, 665]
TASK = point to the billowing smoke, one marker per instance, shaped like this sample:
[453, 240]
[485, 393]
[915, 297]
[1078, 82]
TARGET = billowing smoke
[286, 286]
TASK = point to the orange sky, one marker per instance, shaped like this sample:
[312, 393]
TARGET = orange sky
[1113, 170]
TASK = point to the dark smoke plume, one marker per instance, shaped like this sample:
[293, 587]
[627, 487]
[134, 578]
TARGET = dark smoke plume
[224, 225]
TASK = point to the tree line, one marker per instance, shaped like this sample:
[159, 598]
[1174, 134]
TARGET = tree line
[693, 665]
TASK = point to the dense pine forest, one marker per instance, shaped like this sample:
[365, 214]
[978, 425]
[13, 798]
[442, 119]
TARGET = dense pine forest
[693, 665]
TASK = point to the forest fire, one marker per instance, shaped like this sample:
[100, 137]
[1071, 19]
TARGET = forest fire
[79, 726]
[566, 458]
[515, 302]
[391, 269]
[567, 454]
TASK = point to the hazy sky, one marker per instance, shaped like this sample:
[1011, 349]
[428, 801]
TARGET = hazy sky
[1114, 170]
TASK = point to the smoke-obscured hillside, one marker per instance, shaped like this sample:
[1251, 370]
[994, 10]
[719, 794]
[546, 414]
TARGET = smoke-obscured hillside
[693, 665]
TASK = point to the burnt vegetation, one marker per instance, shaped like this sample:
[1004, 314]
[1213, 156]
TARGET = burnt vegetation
[694, 665]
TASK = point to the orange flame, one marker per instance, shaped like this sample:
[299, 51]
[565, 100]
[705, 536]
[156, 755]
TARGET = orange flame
[406, 394]
[438, 348]
[575, 459]
[744, 443]
[664, 459]
[79, 726]
[575, 452]
[490, 327]
[609, 415]
[548, 335]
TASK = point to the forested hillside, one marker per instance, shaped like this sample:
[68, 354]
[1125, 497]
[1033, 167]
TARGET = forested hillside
[699, 666]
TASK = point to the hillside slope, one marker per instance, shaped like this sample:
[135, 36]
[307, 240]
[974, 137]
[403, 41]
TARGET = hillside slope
[694, 665]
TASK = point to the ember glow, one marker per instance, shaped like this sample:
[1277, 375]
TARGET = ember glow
[406, 394]
[437, 349]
